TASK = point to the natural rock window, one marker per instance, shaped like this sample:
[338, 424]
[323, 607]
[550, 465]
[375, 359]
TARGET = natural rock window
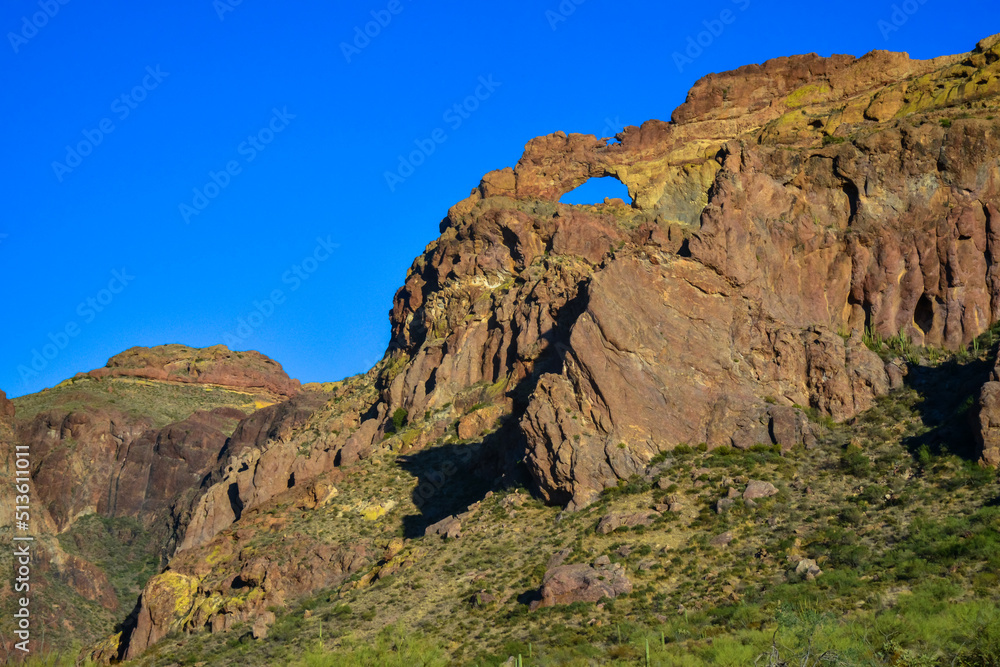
[596, 190]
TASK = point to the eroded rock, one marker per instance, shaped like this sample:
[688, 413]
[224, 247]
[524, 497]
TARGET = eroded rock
[567, 584]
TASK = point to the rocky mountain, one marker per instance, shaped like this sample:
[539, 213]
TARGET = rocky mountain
[803, 284]
[130, 443]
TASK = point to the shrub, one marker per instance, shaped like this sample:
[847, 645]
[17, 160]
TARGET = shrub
[399, 420]
[855, 461]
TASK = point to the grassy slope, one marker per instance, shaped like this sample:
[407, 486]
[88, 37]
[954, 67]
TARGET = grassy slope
[162, 402]
[905, 527]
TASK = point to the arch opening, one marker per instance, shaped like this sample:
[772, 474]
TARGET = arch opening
[596, 190]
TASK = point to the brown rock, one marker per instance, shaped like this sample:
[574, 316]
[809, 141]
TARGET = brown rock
[211, 365]
[618, 333]
[567, 584]
[987, 424]
[166, 599]
[613, 521]
[261, 625]
[448, 528]
[475, 423]
[788, 426]
[895, 373]
[6, 406]
[721, 540]
[757, 489]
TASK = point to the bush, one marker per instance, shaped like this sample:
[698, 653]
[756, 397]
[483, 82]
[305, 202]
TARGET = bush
[855, 461]
[399, 420]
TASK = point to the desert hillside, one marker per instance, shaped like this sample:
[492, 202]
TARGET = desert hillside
[750, 417]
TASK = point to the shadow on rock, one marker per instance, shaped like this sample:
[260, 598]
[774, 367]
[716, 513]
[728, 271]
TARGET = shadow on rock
[451, 477]
[948, 402]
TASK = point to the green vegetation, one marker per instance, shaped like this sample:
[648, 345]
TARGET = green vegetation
[899, 345]
[399, 419]
[125, 551]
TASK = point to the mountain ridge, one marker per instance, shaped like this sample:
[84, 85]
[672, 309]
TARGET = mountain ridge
[796, 234]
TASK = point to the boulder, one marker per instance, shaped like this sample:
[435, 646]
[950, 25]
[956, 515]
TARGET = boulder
[986, 424]
[447, 528]
[807, 569]
[567, 584]
[757, 489]
[612, 521]
[721, 540]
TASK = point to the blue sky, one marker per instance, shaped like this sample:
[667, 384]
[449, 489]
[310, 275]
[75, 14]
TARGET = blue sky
[207, 172]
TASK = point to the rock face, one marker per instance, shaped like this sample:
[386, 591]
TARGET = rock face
[211, 365]
[80, 451]
[986, 420]
[259, 462]
[116, 465]
[785, 209]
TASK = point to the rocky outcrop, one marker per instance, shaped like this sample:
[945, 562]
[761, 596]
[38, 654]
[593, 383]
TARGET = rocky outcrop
[164, 469]
[566, 584]
[6, 407]
[260, 461]
[616, 520]
[787, 208]
[52, 567]
[117, 465]
[93, 451]
[449, 528]
[211, 365]
[216, 598]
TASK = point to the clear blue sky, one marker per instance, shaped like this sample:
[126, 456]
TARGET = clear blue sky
[183, 87]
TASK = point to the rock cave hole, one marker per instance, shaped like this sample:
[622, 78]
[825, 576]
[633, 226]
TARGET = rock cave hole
[595, 190]
[235, 502]
[923, 315]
